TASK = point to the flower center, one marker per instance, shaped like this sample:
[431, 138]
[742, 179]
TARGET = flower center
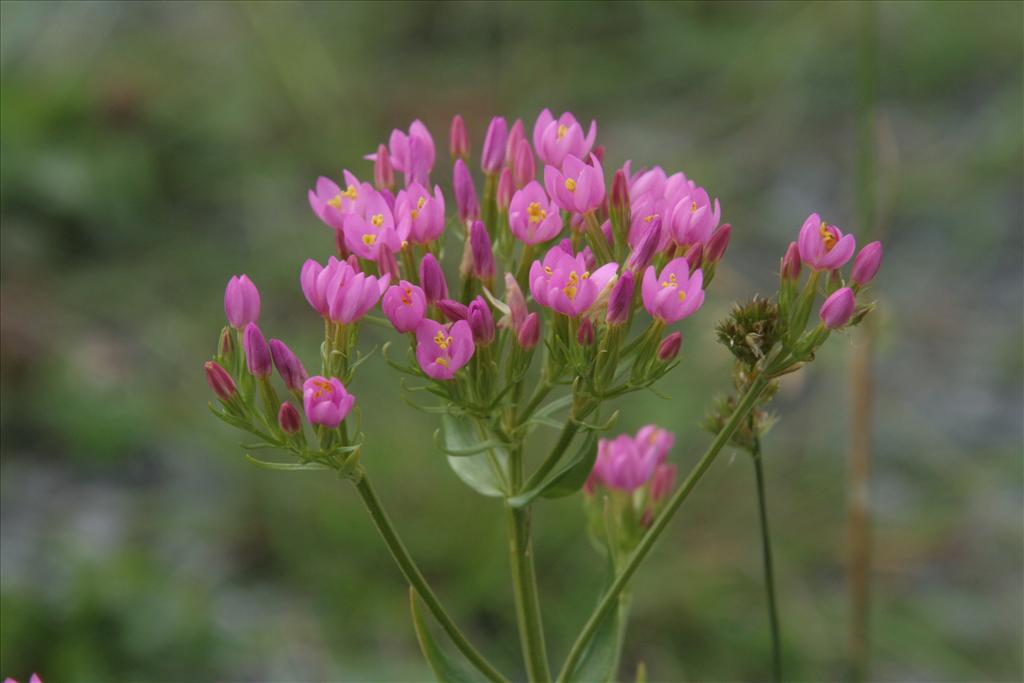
[419, 207]
[572, 287]
[570, 184]
[536, 213]
[323, 386]
[377, 219]
[827, 237]
[406, 296]
[671, 282]
[369, 238]
[562, 130]
[648, 219]
[693, 207]
[443, 342]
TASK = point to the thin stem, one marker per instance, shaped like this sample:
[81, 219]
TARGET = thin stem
[524, 585]
[419, 583]
[610, 598]
[769, 574]
[568, 432]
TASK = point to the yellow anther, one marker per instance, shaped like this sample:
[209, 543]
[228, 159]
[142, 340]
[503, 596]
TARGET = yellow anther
[570, 184]
[671, 282]
[443, 362]
[535, 212]
[827, 237]
[405, 243]
[335, 201]
[562, 130]
[547, 270]
[570, 290]
[369, 238]
[442, 340]
[693, 207]
[377, 219]
[406, 296]
[323, 386]
[350, 192]
[682, 295]
[648, 219]
[586, 275]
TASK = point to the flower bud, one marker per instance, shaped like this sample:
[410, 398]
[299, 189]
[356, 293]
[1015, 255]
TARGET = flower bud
[516, 134]
[383, 171]
[662, 482]
[241, 302]
[353, 261]
[481, 321]
[718, 243]
[288, 365]
[340, 248]
[620, 301]
[432, 279]
[453, 310]
[517, 310]
[694, 255]
[465, 192]
[524, 167]
[585, 333]
[458, 139]
[505, 189]
[598, 154]
[642, 256]
[790, 267]
[618, 205]
[226, 346]
[493, 155]
[257, 352]
[668, 349]
[838, 308]
[483, 254]
[220, 381]
[867, 263]
[529, 331]
[386, 262]
[288, 419]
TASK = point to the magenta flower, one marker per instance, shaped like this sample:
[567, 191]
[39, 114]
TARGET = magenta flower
[420, 216]
[668, 349]
[481, 321]
[350, 294]
[516, 303]
[555, 140]
[453, 310]
[257, 352]
[404, 304]
[867, 263]
[443, 349]
[578, 187]
[662, 482]
[655, 442]
[693, 218]
[493, 155]
[370, 226]
[482, 251]
[675, 293]
[532, 217]
[823, 246]
[330, 203]
[465, 192]
[627, 463]
[314, 279]
[718, 243]
[326, 401]
[620, 301]
[646, 247]
[413, 153]
[838, 308]
[288, 419]
[288, 365]
[435, 287]
[564, 284]
[529, 332]
[241, 302]
[220, 381]
[789, 268]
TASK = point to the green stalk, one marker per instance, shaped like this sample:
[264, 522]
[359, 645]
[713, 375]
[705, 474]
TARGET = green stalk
[419, 583]
[610, 599]
[769, 574]
[524, 585]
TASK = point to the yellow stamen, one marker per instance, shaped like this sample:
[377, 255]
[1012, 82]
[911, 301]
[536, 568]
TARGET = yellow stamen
[406, 296]
[693, 207]
[562, 130]
[671, 282]
[443, 362]
[682, 295]
[536, 213]
[827, 237]
[377, 219]
[547, 271]
[369, 238]
[648, 219]
[442, 340]
[570, 184]
[350, 192]
[323, 386]
[335, 201]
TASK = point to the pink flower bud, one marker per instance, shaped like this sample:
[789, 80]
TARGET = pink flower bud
[326, 401]
[404, 304]
[257, 352]
[718, 243]
[663, 481]
[838, 308]
[598, 154]
[481, 321]
[432, 279]
[458, 139]
[789, 269]
[493, 155]
[694, 255]
[241, 302]
[668, 349]
[585, 334]
[453, 310]
[288, 365]
[867, 263]
[505, 188]
[288, 419]
[517, 310]
[220, 381]
[465, 193]
[529, 331]
[620, 193]
[516, 134]
[621, 299]
[386, 262]
[483, 254]
[644, 252]
[383, 171]
[524, 168]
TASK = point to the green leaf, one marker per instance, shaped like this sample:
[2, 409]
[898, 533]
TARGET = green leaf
[287, 466]
[462, 453]
[601, 657]
[483, 472]
[566, 479]
[445, 670]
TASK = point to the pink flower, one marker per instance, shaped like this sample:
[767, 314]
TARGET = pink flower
[620, 301]
[288, 365]
[413, 153]
[241, 302]
[314, 279]
[823, 246]
[529, 332]
[564, 284]
[330, 203]
[326, 401]
[532, 217]
[655, 442]
[693, 218]
[350, 294]
[383, 171]
[838, 308]
[420, 216]
[555, 140]
[789, 268]
[668, 349]
[578, 187]
[662, 482]
[481, 321]
[482, 251]
[443, 349]
[867, 263]
[674, 294]
[404, 305]
[370, 226]
[34, 679]
[288, 419]
[435, 287]
[627, 463]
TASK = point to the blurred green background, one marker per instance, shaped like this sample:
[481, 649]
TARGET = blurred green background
[151, 150]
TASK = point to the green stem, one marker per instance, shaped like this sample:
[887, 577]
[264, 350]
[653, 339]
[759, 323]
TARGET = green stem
[769, 574]
[524, 584]
[419, 583]
[568, 432]
[610, 599]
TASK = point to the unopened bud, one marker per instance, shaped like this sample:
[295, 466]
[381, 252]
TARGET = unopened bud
[505, 189]
[668, 349]
[288, 365]
[226, 347]
[432, 279]
[458, 139]
[288, 419]
[867, 264]
[383, 171]
[453, 310]
[220, 381]
[620, 301]
[517, 310]
[598, 154]
[257, 352]
[465, 192]
[620, 193]
[516, 134]
[585, 333]
[493, 155]
[694, 255]
[481, 321]
[838, 308]
[529, 331]
[662, 482]
[483, 254]
[386, 263]
[790, 266]
[718, 243]
[646, 249]
[524, 167]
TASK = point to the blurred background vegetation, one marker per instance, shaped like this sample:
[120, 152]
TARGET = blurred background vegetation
[150, 150]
